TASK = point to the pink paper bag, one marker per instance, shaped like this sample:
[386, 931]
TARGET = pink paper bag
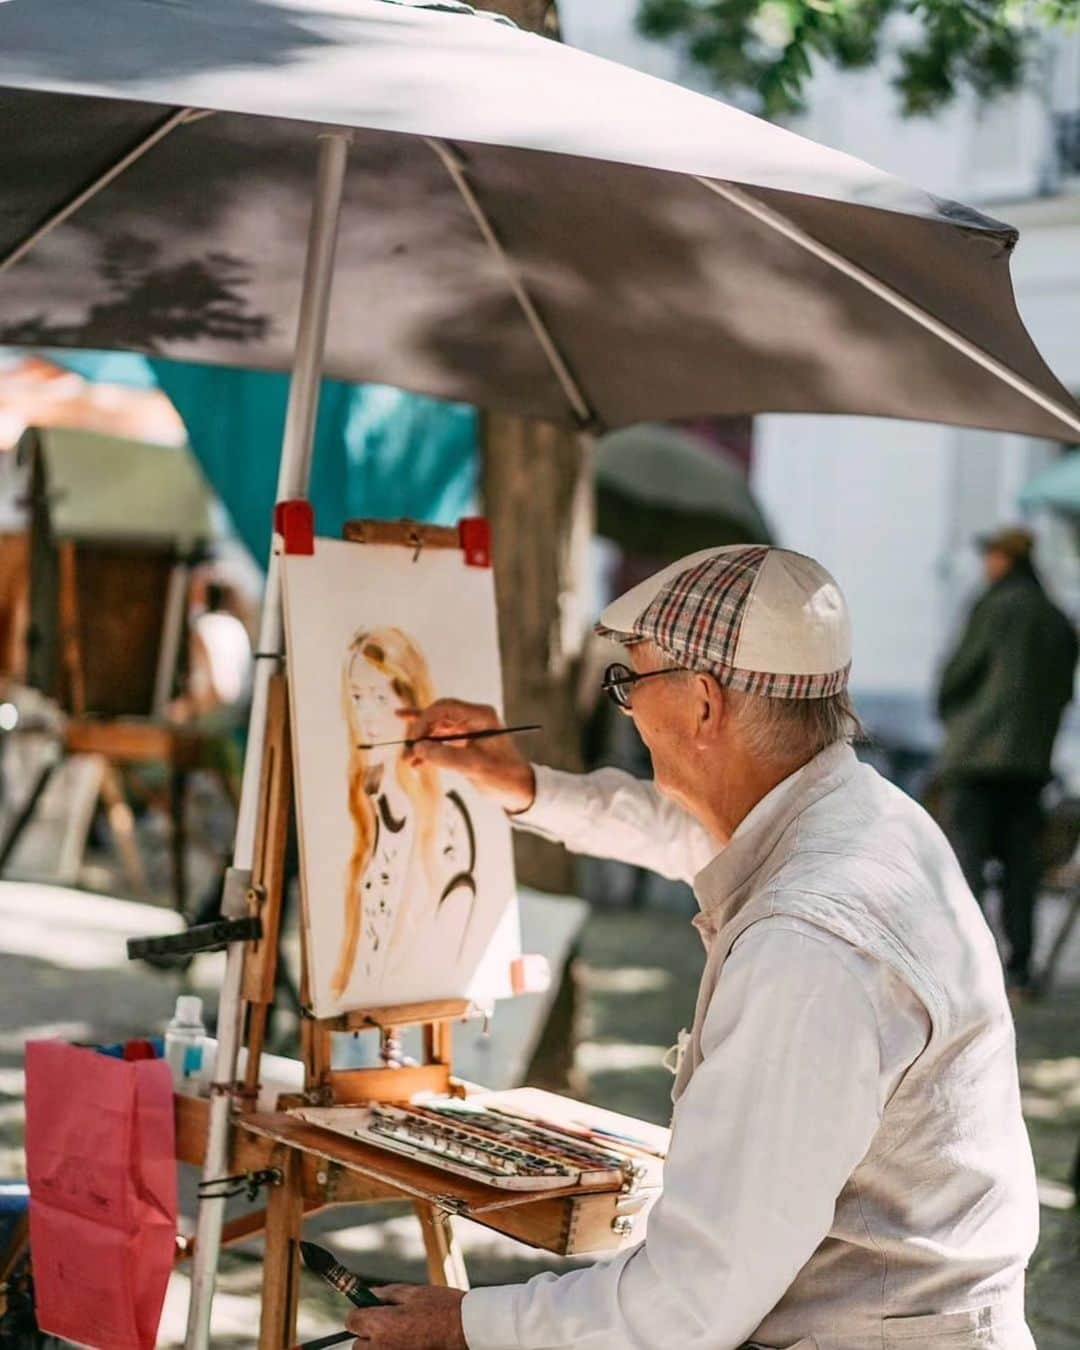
[101, 1161]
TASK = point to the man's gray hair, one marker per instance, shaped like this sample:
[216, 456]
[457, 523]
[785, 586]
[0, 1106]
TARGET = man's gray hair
[786, 729]
[793, 728]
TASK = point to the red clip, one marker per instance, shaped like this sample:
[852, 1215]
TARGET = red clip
[295, 522]
[475, 535]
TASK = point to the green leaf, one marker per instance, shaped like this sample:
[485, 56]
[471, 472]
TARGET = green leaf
[765, 47]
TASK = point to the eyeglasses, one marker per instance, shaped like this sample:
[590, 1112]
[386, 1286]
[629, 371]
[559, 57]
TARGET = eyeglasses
[619, 680]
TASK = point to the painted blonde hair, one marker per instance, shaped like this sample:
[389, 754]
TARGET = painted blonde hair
[397, 657]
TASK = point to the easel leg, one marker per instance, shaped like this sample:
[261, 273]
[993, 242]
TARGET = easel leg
[281, 1264]
[445, 1262]
[122, 824]
[178, 781]
[26, 813]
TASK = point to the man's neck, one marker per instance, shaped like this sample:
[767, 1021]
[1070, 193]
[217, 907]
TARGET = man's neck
[726, 803]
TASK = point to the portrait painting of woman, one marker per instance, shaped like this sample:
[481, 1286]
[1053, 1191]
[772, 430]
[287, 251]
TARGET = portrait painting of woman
[413, 849]
[407, 882]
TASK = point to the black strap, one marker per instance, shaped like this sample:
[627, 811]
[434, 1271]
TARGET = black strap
[204, 937]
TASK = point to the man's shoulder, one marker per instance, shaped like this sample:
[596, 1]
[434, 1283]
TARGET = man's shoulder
[1012, 597]
[1022, 594]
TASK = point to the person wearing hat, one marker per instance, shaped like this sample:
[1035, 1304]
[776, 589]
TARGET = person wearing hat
[1001, 699]
[848, 1163]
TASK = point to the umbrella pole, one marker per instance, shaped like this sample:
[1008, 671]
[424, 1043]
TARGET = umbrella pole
[293, 476]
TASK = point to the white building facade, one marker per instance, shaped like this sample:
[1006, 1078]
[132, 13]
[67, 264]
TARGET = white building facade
[891, 507]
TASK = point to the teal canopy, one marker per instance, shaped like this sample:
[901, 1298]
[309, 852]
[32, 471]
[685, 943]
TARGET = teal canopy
[379, 453]
[1057, 488]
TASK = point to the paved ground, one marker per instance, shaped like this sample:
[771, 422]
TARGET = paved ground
[637, 974]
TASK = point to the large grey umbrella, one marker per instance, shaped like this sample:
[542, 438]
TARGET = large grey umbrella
[524, 226]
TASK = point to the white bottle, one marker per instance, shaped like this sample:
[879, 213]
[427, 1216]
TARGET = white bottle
[184, 1037]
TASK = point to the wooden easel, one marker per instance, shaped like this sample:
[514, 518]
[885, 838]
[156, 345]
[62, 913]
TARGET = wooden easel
[323, 1085]
[310, 1169]
[109, 744]
[107, 651]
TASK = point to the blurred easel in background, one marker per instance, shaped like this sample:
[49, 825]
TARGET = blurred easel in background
[114, 529]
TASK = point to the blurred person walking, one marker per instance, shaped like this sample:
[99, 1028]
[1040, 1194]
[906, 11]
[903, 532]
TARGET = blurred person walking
[219, 662]
[1002, 695]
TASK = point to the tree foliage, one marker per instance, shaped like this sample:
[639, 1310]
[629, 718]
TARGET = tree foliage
[765, 47]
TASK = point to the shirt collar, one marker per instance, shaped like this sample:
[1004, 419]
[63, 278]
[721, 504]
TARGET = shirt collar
[723, 885]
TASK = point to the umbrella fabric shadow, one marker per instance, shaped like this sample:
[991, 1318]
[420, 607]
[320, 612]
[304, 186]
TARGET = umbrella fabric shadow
[178, 302]
[245, 33]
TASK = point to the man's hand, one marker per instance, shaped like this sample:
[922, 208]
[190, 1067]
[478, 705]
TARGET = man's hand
[494, 766]
[421, 1318]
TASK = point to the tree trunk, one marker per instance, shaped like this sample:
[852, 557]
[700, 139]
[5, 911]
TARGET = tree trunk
[537, 494]
[538, 16]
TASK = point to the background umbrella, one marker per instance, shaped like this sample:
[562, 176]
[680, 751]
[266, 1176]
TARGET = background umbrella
[524, 225]
[1056, 488]
[665, 492]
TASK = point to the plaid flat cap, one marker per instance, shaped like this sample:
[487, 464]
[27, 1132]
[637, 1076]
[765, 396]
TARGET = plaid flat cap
[761, 620]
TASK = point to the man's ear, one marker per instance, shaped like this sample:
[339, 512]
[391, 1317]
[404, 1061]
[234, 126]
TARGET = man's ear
[709, 706]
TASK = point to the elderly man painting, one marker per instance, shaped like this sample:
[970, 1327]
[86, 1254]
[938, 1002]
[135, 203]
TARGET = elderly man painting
[848, 1166]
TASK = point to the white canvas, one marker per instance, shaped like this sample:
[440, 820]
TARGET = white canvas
[407, 874]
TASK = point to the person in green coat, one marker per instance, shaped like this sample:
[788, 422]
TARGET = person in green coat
[1001, 699]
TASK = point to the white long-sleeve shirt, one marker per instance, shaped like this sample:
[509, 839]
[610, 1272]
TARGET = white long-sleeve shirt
[804, 1041]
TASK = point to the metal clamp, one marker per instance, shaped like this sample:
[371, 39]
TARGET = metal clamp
[247, 1184]
[451, 1204]
[240, 1091]
[234, 892]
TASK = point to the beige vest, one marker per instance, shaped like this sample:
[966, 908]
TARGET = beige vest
[933, 1230]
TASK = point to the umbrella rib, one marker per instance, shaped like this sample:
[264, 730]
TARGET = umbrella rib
[103, 179]
[776, 221]
[567, 381]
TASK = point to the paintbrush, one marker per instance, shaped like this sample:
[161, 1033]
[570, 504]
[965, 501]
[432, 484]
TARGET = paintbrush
[339, 1277]
[325, 1342]
[457, 736]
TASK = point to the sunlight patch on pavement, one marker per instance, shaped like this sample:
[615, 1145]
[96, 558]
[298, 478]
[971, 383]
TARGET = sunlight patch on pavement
[12, 1163]
[12, 1113]
[1055, 1194]
[235, 1315]
[618, 1056]
[401, 1234]
[625, 980]
[13, 1041]
[1052, 1075]
[74, 929]
[1051, 1088]
[12, 1083]
[1037, 1107]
